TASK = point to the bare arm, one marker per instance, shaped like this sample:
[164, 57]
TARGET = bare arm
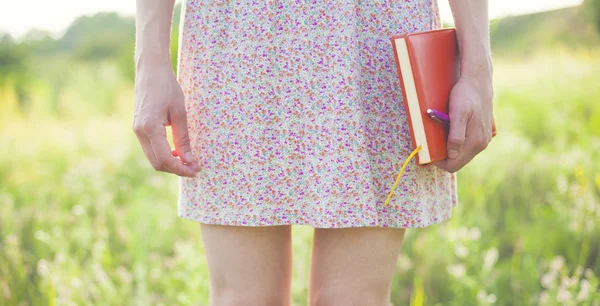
[473, 31]
[153, 31]
[159, 100]
[471, 98]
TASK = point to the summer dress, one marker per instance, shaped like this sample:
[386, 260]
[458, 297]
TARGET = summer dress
[294, 111]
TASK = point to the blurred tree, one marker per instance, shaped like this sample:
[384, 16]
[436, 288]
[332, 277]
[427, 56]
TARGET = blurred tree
[592, 7]
[13, 69]
[35, 60]
[40, 42]
[109, 36]
[99, 36]
[12, 56]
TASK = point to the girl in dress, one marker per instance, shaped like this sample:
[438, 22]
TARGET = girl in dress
[289, 113]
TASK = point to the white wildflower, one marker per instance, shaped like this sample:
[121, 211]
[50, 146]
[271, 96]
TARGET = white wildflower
[557, 263]
[588, 273]
[584, 291]
[547, 279]
[60, 258]
[544, 298]
[589, 225]
[490, 258]
[573, 225]
[404, 262]
[462, 232]
[12, 239]
[481, 295]
[42, 267]
[76, 282]
[562, 184]
[563, 295]
[474, 234]
[461, 251]
[125, 275]
[579, 271]
[457, 270]
[78, 210]
[101, 276]
[568, 281]
[42, 236]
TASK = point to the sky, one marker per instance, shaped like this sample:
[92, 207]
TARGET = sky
[17, 17]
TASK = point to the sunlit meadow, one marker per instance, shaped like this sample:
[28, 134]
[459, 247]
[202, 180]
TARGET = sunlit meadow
[85, 220]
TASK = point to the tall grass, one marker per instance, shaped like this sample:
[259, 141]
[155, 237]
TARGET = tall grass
[85, 220]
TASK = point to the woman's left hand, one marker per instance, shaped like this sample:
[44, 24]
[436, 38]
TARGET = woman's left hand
[471, 120]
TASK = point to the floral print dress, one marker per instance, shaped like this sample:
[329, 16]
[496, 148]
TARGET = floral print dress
[294, 111]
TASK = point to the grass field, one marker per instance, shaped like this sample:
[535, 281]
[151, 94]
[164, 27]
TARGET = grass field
[84, 220]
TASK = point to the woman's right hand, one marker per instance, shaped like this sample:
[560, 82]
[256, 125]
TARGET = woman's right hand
[159, 102]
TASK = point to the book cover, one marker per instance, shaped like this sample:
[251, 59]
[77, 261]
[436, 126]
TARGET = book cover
[428, 66]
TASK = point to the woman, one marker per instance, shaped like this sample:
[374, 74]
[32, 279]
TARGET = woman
[289, 112]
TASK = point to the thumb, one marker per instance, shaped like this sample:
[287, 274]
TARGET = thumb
[456, 137]
[181, 137]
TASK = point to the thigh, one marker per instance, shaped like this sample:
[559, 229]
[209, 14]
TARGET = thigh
[353, 266]
[248, 264]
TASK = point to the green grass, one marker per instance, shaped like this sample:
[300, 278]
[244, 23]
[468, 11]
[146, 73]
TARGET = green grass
[85, 220]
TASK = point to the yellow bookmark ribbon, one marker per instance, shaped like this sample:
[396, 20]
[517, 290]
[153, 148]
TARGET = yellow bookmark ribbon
[400, 173]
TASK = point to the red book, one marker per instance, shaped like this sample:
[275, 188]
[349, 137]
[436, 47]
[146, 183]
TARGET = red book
[428, 66]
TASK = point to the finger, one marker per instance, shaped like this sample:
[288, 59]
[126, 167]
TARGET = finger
[166, 162]
[450, 165]
[456, 136]
[176, 155]
[466, 154]
[146, 146]
[453, 165]
[181, 137]
[162, 151]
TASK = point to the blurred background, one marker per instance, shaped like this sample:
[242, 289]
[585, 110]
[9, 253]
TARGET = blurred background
[84, 219]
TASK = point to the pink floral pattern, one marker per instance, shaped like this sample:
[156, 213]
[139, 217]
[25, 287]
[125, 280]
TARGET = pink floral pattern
[295, 114]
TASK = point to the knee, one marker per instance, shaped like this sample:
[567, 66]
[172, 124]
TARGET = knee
[325, 297]
[242, 297]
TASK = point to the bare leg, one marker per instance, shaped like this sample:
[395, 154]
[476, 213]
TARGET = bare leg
[353, 266]
[248, 265]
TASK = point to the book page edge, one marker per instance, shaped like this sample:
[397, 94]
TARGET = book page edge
[412, 101]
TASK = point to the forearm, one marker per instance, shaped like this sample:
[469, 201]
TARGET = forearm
[472, 29]
[153, 32]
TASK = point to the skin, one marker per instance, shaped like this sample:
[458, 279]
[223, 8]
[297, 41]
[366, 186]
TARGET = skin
[159, 100]
[252, 265]
[471, 99]
[248, 265]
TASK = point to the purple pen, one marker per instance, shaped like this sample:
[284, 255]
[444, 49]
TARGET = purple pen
[439, 116]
